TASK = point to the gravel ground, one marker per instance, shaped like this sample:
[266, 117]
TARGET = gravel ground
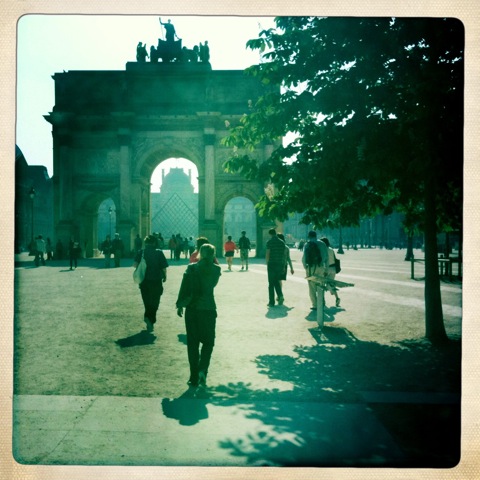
[81, 333]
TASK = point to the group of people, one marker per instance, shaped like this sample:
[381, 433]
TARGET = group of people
[178, 245]
[39, 248]
[195, 299]
[318, 260]
[42, 248]
[113, 247]
[244, 246]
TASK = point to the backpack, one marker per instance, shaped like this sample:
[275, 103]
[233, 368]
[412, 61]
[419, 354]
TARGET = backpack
[313, 256]
[244, 243]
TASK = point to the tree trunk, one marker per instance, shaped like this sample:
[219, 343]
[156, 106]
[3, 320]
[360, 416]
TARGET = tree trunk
[434, 326]
[409, 254]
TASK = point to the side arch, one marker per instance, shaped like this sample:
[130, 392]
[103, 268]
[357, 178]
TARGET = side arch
[251, 191]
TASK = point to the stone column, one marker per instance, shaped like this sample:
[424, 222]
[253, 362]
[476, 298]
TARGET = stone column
[125, 226]
[63, 185]
[123, 209]
[209, 139]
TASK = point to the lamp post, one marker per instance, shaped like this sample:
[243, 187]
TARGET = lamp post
[32, 194]
[110, 210]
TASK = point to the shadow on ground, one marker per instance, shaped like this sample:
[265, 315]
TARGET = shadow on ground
[141, 338]
[320, 413]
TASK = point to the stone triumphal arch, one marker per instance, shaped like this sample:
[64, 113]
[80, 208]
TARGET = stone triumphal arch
[112, 128]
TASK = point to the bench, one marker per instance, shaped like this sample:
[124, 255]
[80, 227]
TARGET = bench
[445, 266]
[322, 284]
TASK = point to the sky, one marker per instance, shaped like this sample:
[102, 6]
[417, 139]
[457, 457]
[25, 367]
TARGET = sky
[47, 44]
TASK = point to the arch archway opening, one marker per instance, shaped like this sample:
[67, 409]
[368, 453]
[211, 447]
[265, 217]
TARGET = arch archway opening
[174, 204]
[240, 215]
[106, 220]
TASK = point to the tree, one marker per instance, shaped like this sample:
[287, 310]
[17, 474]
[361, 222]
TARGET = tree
[376, 109]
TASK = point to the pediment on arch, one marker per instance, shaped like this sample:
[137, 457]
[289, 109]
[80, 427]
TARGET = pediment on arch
[147, 152]
[96, 183]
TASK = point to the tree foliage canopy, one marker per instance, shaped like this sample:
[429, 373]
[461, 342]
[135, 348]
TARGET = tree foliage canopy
[373, 108]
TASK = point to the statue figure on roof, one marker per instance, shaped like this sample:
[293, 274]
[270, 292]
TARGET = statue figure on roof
[204, 52]
[169, 49]
[170, 33]
[141, 52]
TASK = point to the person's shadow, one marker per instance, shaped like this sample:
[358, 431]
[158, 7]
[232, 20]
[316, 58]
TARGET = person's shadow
[141, 338]
[188, 408]
[279, 311]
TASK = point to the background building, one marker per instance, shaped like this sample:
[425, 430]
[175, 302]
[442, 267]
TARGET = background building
[33, 202]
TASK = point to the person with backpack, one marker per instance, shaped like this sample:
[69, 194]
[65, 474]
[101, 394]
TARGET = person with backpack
[315, 262]
[245, 246]
[331, 270]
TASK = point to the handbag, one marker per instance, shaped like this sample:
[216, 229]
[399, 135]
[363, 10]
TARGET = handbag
[188, 287]
[338, 268]
[139, 273]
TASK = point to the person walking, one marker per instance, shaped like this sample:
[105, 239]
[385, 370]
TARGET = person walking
[49, 249]
[161, 241]
[229, 248]
[151, 288]
[59, 250]
[195, 256]
[138, 243]
[244, 246]
[172, 245]
[178, 246]
[74, 251]
[331, 270]
[315, 262]
[191, 246]
[106, 248]
[40, 250]
[288, 261]
[196, 295]
[117, 249]
[275, 259]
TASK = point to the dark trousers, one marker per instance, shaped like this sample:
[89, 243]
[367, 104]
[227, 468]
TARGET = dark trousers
[200, 327]
[39, 258]
[117, 255]
[274, 276]
[73, 260]
[151, 291]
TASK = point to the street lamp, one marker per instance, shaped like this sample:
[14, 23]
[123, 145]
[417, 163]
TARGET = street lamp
[32, 194]
[110, 210]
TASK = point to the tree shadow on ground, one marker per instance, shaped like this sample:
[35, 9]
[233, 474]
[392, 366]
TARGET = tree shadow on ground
[325, 421]
[139, 339]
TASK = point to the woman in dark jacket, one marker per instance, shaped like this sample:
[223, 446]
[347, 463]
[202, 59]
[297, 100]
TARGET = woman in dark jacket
[155, 275]
[197, 295]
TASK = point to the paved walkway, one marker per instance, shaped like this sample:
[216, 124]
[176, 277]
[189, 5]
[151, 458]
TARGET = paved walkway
[92, 387]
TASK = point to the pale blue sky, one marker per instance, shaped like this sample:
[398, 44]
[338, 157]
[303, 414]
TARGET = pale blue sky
[47, 44]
